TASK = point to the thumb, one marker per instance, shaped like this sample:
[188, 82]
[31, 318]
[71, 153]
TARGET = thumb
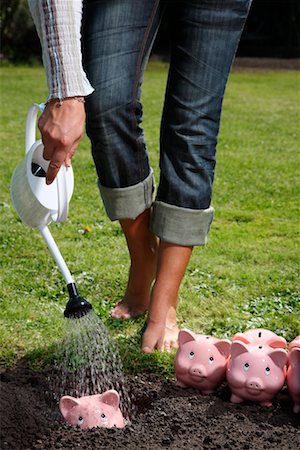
[71, 154]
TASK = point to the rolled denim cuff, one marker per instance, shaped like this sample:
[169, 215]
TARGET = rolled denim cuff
[182, 226]
[128, 202]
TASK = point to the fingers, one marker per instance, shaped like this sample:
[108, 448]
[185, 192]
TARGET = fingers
[55, 164]
[58, 157]
[61, 127]
[71, 153]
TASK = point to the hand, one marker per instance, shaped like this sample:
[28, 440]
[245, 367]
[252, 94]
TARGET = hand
[62, 127]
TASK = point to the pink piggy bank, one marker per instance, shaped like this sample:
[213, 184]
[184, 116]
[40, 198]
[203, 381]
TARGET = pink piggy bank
[255, 372]
[295, 343]
[100, 410]
[293, 373]
[200, 361]
[260, 336]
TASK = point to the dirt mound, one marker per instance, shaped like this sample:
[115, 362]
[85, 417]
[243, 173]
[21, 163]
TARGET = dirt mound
[166, 417]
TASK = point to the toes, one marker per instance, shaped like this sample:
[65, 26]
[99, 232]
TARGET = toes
[147, 349]
[114, 314]
[149, 343]
[167, 347]
[120, 313]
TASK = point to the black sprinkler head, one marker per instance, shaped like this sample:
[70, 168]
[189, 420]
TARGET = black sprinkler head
[76, 306]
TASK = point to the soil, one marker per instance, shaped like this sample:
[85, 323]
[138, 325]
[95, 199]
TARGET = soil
[166, 417]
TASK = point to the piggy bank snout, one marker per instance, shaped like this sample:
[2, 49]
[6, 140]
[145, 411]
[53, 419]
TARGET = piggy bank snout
[255, 384]
[198, 371]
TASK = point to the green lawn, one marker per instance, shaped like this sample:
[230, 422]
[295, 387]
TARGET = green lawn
[247, 275]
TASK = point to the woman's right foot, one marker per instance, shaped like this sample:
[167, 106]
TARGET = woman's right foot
[137, 296]
[143, 246]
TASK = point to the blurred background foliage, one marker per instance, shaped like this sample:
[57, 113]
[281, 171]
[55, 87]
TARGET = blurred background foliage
[272, 30]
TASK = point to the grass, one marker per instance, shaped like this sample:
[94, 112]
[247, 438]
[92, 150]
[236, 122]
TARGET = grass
[248, 274]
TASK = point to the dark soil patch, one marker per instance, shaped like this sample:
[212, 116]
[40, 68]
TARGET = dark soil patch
[166, 417]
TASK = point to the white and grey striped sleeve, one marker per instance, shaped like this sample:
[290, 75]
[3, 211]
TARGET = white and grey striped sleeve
[58, 24]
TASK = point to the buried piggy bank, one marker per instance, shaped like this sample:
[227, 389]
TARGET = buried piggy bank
[255, 372]
[293, 373]
[200, 361]
[260, 336]
[100, 410]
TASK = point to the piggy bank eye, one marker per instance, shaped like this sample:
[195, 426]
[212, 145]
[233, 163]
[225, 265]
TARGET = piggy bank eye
[103, 417]
[246, 367]
[80, 420]
[210, 360]
[267, 371]
[191, 355]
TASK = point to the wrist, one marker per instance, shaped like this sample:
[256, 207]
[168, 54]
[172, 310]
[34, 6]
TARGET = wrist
[59, 102]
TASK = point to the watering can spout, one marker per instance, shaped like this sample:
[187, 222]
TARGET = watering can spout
[77, 306]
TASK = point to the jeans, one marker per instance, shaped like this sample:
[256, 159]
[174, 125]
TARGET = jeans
[117, 38]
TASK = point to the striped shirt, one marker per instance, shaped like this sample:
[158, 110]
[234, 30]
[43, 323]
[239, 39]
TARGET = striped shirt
[58, 24]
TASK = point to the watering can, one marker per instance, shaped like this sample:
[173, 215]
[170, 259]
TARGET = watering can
[39, 204]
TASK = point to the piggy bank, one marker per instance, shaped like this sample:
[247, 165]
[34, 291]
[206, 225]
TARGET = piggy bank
[260, 336]
[293, 373]
[295, 343]
[200, 361]
[255, 372]
[100, 410]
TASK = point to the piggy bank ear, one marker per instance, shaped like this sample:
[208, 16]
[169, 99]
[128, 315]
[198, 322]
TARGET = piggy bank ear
[66, 403]
[111, 398]
[294, 356]
[224, 346]
[279, 357]
[240, 337]
[237, 348]
[278, 342]
[295, 343]
[185, 336]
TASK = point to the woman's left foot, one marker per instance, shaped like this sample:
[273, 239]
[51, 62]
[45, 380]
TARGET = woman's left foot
[161, 336]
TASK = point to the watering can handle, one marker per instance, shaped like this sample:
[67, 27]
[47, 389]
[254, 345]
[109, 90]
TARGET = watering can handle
[30, 136]
[62, 195]
[61, 179]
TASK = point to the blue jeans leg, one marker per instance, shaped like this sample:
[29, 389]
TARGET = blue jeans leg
[117, 37]
[204, 36]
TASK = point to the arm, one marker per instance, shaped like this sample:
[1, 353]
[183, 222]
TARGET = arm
[58, 25]
[61, 125]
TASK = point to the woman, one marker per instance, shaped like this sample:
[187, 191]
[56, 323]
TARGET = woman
[116, 40]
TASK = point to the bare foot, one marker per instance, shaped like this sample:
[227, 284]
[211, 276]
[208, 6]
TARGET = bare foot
[137, 296]
[163, 335]
[142, 245]
[162, 332]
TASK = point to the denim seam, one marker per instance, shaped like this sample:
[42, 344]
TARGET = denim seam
[137, 77]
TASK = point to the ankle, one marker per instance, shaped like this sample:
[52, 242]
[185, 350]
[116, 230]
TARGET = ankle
[163, 318]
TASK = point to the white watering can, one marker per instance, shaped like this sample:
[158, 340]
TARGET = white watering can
[39, 204]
